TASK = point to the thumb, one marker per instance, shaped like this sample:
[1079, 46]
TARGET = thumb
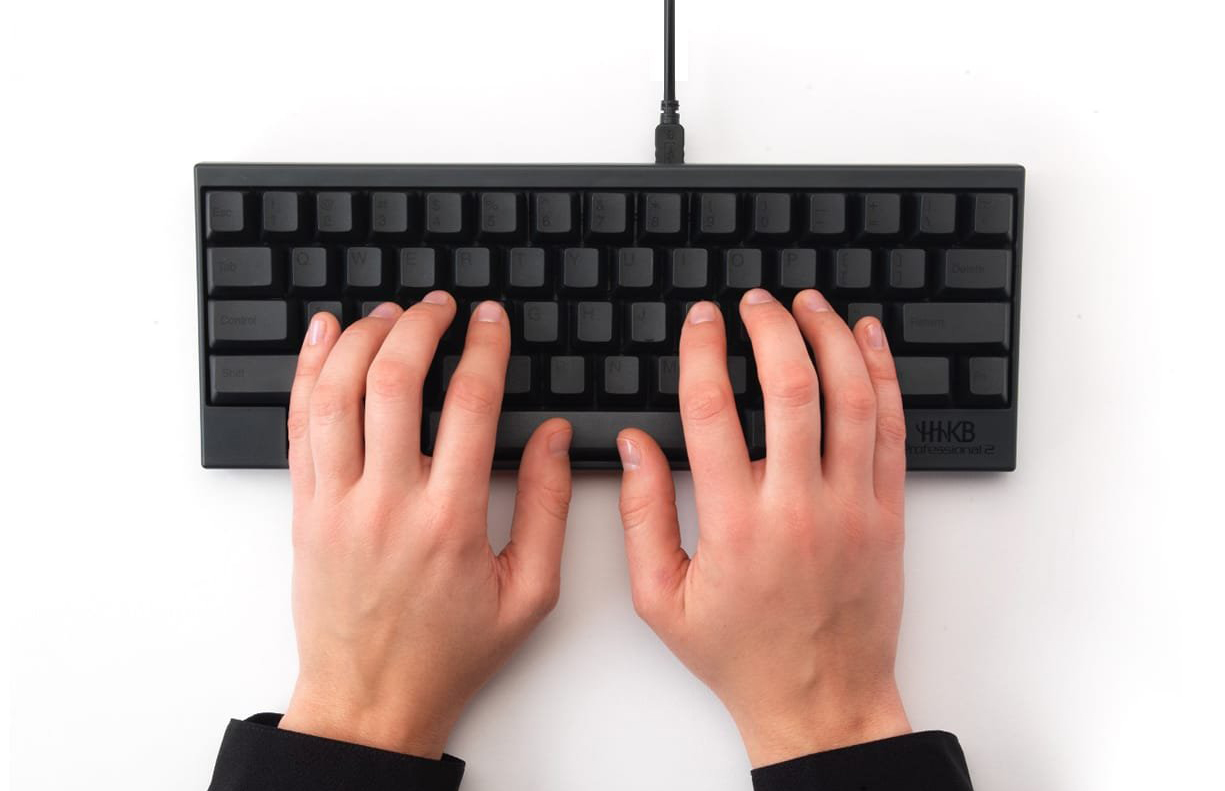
[657, 563]
[532, 557]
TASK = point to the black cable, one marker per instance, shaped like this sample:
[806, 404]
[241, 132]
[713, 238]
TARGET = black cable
[669, 135]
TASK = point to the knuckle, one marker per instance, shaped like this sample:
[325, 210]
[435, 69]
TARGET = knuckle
[705, 401]
[857, 403]
[884, 371]
[474, 394]
[635, 510]
[553, 499]
[546, 595]
[891, 429]
[297, 426]
[794, 386]
[330, 404]
[391, 378]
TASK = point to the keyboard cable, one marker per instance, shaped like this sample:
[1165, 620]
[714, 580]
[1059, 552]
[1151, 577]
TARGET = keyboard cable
[669, 135]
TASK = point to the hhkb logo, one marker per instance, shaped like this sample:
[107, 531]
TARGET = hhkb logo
[946, 431]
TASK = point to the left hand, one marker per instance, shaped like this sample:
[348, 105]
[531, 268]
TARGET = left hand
[401, 607]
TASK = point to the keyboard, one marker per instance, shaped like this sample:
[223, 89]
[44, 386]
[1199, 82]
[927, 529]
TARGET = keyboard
[597, 265]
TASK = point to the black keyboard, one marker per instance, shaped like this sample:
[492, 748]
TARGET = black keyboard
[597, 265]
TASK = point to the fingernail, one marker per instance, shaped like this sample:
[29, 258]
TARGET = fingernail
[630, 455]
[812, 300]
[559, 442]
[488, 311]
[701, 313]
[876, 335]
[436, 298]
[758, 296]
[316, 332]
[385, 311]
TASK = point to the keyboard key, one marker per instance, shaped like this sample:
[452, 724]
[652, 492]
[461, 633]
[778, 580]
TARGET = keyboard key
[238, 269]
[389, 212]
[334, 212]
[323, 306]
[251, 379]
[648, 322]
[281, 214]
[882, 214]
[499, 213]
[472, 268]
[527, 268]
[993, 215]
[593, 322]
[937, 213]
[772, 213]
[667, 375]
[224, 213]
[635, 267]
[554, 214]
[858, 310]
[418, 268]
[738, 373]
[957, 323]
[907, 269]
[853, 269]
[987, 380]
[519, 375]
[742, 269]
[827, 214]
[797, 268]
[986, 271]
[661, 213]
[581, 268]
[364, 267]
[540, 322]
[606, 214]
[444, 214]
[688, 268]
[567, 375]
[717, 214]
[238, 322]
[923, 376]
[621, 376]
[367, 307]
[308, 267]
[594, 437]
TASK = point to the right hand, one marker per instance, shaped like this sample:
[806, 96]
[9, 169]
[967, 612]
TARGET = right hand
[790, 607]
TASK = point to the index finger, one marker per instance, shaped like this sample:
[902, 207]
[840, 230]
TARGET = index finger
[713, 435]
[469, 422]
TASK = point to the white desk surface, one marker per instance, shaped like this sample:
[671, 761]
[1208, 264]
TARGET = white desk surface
[1064, 620]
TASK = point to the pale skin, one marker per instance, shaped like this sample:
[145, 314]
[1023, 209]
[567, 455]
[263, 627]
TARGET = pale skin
[789, 608]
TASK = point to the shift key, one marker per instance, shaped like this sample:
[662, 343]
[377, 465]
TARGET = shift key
[249, 379]
[979, 323]
[241, 322]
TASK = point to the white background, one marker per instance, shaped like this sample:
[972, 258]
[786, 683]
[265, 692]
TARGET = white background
[1065, 620]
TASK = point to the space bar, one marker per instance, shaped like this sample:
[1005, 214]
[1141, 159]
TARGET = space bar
[595, 433]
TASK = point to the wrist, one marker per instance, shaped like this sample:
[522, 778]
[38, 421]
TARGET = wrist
[826, 723]
[391, 727]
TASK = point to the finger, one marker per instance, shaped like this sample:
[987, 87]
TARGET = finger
[657, 564]
[394, 386]
[889, 460]
[788, 387]
[320, 338]
[713, 434]
[537, 532]
[336, 402]
[850, 402]
[469, 422]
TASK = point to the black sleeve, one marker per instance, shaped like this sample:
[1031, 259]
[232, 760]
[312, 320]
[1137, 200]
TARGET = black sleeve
[258, 756]
[928, 761]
